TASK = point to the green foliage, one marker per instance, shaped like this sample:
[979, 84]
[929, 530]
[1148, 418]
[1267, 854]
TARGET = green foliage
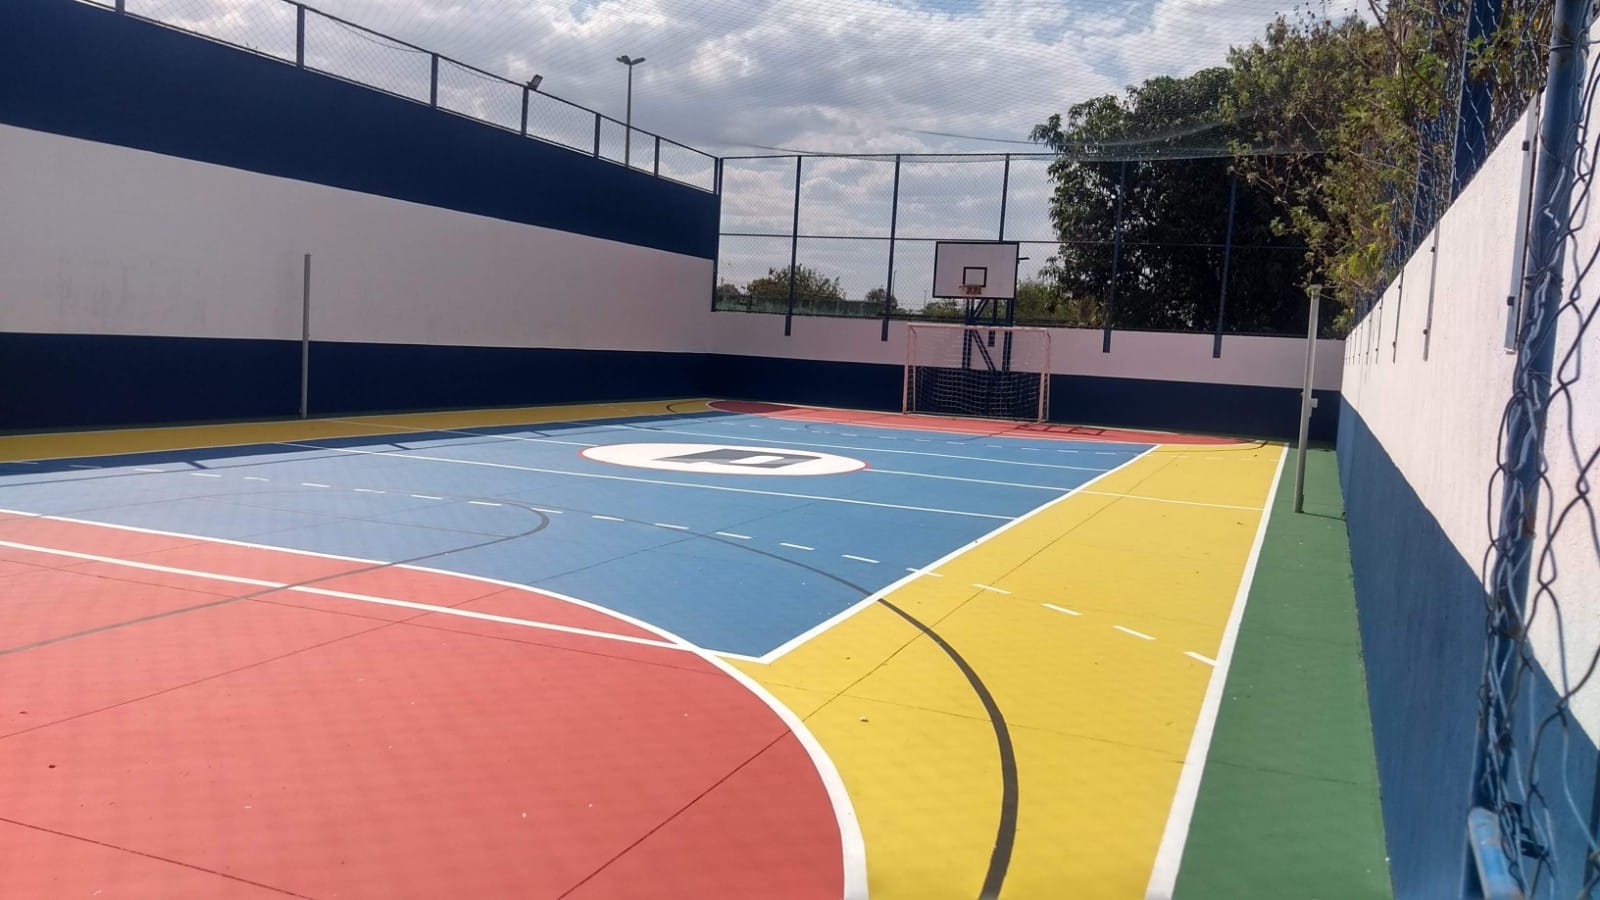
[810, 285]
[1164, 268]
[1340, 133]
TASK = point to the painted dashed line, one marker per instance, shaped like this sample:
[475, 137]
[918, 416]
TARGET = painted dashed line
[205, 475]
[482, 503]
[605, 518]
[426, 497]
[259, 478]
[737, 537]
[671, 526]
[795, 546]
[78, 466]
[369, 491]
[988, 587]
[1138, 634]
[552, 512]
[859, 558]
[313, 484]
[1061, 609]
[145, 469]
[1205, 659]
[924, 572]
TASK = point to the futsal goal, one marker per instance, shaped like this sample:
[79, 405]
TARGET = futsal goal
[978, 370]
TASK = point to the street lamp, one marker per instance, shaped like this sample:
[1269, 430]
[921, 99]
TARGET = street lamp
[627, 138]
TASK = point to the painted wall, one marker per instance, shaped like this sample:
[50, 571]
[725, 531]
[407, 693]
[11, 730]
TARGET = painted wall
[1425, 383]
[164, 190]
[1148, 380]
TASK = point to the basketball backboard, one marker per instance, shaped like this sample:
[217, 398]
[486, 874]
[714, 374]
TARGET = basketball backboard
[975, 270]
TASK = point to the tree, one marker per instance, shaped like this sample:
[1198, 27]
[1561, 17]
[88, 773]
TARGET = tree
[1141, 209]
[1376, 108]
[880, 296]
[810, 285]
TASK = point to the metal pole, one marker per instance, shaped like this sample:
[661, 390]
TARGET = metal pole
[597, 135]
[1116, 259]
[1305, 399]
[1227, 260]
[716, 260]
[794, 248]
[433, 81]
[894, 227]
[122, 6]
[657, 170]
[299, 34]
[305, 339]
[627, 126]
[1530, 399]
[525, 93]
[1005, 191]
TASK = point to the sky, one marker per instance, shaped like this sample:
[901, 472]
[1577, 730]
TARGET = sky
[750, 77]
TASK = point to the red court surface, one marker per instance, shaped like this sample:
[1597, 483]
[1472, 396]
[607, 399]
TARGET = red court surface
[975, 427]
[188, 718]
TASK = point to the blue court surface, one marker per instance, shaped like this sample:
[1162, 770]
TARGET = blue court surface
[708, 539]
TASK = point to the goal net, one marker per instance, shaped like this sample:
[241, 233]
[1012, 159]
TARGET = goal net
[989, 371]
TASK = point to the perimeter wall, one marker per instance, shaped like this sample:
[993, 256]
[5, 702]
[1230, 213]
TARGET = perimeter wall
[161, 192]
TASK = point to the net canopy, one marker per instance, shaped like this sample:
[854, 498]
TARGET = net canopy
[744, 76]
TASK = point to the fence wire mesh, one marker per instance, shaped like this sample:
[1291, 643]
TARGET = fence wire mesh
[301, 35]
[1538, 771]
[861, 232]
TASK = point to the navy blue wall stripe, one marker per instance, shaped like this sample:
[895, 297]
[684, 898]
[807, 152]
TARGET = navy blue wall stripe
[1421, 614]
[62, 381]
[85, 72]
[73, 380]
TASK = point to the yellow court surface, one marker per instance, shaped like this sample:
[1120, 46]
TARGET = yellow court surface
[1016, 717]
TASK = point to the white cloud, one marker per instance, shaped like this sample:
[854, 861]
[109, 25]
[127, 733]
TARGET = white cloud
[734, 76]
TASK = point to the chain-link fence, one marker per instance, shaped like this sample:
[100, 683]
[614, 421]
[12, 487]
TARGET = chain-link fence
[1147, 243]
[313, 40]
[1537, 816]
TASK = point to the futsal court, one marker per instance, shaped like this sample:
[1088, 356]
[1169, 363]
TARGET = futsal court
[674, 649]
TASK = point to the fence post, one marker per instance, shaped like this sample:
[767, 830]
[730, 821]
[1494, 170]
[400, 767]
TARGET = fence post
[597, 135]
[433, 81]
[1526, 411]
[894, 224]
[1472, 117]
[794, 248]
[525, 93]
[716, 259]
[1005, 192]
[299, 35]
[305, 338]
[1227, 260]
[122, 6]
[1116, 259]
[657, 170]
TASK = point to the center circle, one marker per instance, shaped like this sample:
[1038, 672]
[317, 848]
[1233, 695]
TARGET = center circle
[724, 459]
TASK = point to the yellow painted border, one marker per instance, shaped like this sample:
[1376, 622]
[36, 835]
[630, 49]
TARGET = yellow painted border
[1081, 622]
[82, 444]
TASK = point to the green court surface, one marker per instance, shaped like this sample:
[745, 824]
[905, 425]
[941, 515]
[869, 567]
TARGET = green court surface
[1288, 806]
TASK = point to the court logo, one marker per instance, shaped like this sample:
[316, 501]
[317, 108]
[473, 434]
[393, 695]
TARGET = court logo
[724, 459]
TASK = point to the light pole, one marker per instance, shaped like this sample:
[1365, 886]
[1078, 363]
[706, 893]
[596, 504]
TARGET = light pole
[627, 137]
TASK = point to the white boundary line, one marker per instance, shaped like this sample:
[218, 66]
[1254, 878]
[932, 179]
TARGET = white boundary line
[780, 442]
[344, 595]
[781, 650]
[852, 847]
[1164, 875]
[406, 454]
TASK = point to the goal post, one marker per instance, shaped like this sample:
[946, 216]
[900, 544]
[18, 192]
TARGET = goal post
[988, 371]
